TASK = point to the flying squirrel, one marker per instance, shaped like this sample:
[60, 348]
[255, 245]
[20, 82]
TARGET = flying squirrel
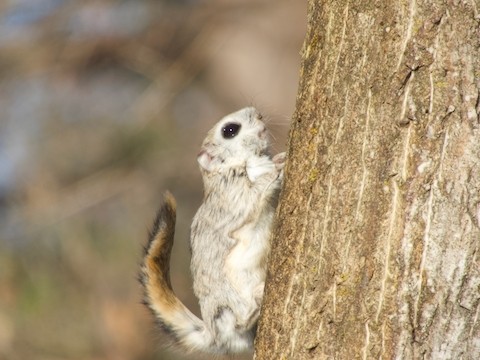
[229, 240]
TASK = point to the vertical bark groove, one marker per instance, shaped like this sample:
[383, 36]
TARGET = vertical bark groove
[375, 251]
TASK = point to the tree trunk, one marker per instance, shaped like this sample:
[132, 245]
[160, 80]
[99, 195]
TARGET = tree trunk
[376, 249]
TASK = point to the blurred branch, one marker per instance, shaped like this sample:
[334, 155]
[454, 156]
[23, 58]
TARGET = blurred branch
[45, 211]
[167, 83]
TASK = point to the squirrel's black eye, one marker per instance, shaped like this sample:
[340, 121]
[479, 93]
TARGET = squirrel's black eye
[230, 130]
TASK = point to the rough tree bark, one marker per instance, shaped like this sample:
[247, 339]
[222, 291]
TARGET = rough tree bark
[376, 249]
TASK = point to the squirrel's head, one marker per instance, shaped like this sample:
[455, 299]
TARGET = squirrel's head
[233, 140]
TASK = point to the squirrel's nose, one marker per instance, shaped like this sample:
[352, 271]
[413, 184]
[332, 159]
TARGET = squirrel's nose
[263, 132]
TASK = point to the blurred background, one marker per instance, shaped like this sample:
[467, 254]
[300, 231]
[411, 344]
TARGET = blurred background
[103, 106]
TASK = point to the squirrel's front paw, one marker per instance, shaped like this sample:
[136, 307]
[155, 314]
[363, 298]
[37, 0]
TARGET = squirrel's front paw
[258, 293]
[279, 160]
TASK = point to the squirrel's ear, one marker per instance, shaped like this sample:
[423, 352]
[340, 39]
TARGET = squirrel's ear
[206, 160]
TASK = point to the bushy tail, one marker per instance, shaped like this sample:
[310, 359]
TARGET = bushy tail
[184, 327]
